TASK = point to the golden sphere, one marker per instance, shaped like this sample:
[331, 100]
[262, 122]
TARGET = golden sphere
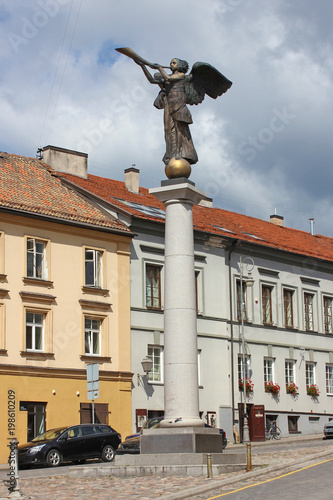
[178, 168]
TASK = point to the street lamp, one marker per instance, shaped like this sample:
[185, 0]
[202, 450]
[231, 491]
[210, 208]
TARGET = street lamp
[147, 365]
[246, 264]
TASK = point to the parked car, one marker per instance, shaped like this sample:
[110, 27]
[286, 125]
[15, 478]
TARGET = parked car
[328, 429]
[131, 444]
[70, 444]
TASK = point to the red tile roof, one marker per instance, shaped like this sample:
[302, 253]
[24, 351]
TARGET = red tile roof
[212, 220]
[31, 186]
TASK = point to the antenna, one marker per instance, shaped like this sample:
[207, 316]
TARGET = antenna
[39, 153]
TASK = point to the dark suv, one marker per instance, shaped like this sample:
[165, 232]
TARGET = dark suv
[70, 444]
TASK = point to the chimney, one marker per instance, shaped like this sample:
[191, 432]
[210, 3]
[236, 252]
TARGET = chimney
[132, 179]
[277, 220]
[66, 160]
[312, 226]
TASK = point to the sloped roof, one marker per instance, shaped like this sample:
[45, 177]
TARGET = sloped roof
[211, 220]
[31, 186]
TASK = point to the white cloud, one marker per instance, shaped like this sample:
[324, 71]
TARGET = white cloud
[63, 83]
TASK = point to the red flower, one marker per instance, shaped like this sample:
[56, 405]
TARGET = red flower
[272, 388]
[248, 384]
[291, 388]
[312, 390]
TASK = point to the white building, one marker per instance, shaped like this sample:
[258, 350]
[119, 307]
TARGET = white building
[288, 332]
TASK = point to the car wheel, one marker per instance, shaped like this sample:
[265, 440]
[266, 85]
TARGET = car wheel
[77, 462]
[53, 458]
[108, 453]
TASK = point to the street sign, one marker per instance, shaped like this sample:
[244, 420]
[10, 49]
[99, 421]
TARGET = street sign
[93, 380]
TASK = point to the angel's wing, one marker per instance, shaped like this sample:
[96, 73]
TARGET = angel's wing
[204, 79]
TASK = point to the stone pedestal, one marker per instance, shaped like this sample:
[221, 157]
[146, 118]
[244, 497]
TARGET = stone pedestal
[181, 440]
[181, 394]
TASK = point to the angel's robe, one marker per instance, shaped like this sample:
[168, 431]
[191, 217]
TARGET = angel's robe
[177, 119]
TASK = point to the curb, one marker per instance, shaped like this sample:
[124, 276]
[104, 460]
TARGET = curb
[198, 490]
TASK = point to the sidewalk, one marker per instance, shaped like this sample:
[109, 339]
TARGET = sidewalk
[175, 487]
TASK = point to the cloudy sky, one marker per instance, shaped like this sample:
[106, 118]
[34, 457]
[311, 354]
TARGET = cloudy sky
[264, 146]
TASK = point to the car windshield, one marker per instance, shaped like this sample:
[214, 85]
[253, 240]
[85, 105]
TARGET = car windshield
[152, 422]
[49, 435]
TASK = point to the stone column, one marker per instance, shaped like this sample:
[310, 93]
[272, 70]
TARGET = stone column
[181, 392]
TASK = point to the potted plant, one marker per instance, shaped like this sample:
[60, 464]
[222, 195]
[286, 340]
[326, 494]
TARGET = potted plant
[312, 390]
[292, 388]
[272, 387]
[248, 384]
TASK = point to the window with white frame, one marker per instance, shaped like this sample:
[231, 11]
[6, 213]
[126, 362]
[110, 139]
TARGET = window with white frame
[241, 300]
[266, 301]
[34, 331]
[268, 370]
[329, 378]
[290, 371]
[240, 367]
[36, 259]
[327, 309]
[93, 267]
[199, 367]
[2, 253]
[288, 306]
[155, 353]
[153, 286]
[92, 336]
[308, 311]
[2, 326]
[309, 373]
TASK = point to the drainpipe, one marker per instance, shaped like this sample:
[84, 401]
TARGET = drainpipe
[232, 248]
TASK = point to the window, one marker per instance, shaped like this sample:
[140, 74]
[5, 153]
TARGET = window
[101, 413]
[36, 418]
[2, 327]
[93, 268]
[34, 331]
[268, 370]
[36, 259]
[309, 373]
[308, 311]
[196, 291]
[328, 315]
[240, 367]
[288, 308]
[2, 255]
[92, 336]
[155, 354]
[329, 379]
[266, 298]
[290, 371]
[153, 287]
[241, 304]
[293, 424]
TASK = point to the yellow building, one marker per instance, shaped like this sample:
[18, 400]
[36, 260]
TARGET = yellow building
[64, 303]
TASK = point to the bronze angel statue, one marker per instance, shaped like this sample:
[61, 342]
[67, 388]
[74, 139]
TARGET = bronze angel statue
[177, 90]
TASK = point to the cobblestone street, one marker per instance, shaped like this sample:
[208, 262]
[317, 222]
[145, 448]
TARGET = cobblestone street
[154, 487]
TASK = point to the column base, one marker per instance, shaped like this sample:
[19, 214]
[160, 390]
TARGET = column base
[181, 440]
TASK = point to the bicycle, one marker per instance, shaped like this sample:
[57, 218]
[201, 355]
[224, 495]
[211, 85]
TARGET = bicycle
[272, 431]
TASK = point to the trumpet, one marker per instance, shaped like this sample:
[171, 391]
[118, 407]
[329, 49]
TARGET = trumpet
[133, 55]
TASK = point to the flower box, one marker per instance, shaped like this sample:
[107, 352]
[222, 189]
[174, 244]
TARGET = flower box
[272, 388]
[249, 386]
[312, 390]
[292, 388]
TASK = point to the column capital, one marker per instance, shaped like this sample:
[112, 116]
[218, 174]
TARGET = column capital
[184, 191]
